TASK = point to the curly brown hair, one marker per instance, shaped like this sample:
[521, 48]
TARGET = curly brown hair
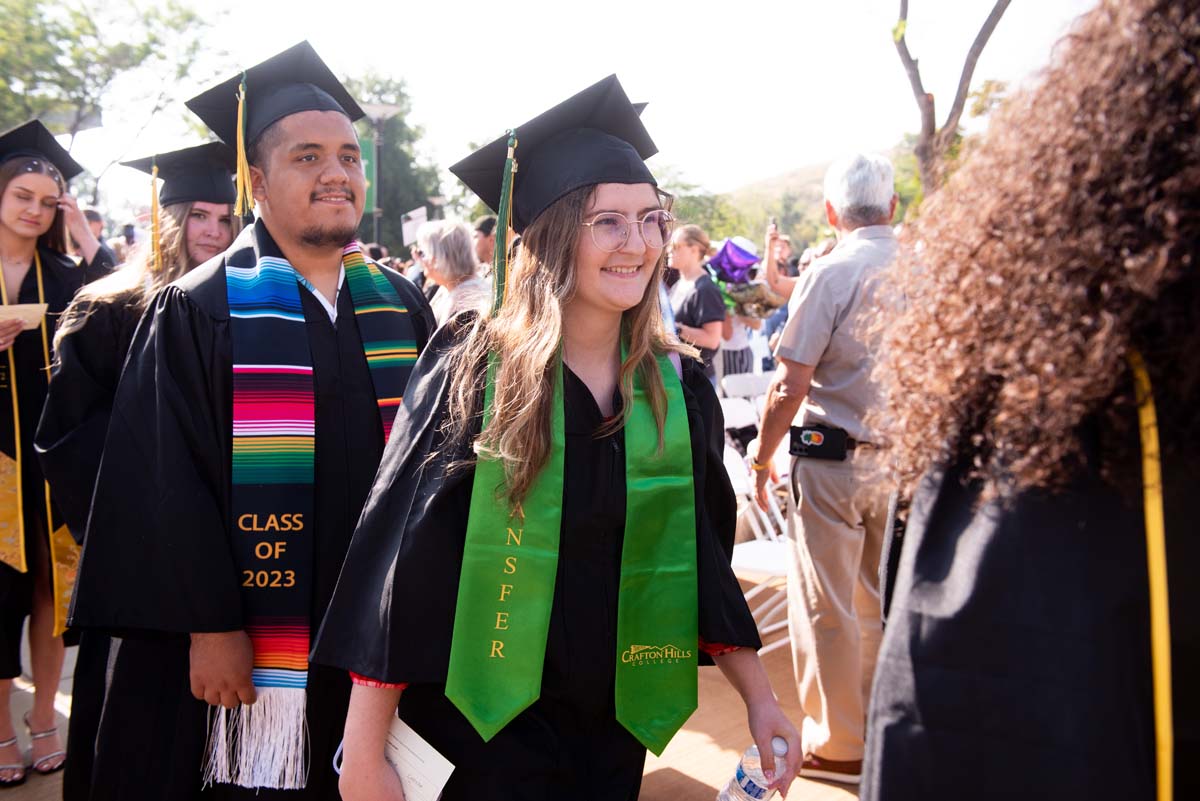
[1067, 238]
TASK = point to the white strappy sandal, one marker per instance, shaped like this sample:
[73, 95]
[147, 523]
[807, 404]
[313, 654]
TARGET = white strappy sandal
[7, 783]
[41, 735]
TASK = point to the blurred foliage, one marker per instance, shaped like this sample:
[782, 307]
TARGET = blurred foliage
[58, 61]
[404, 182]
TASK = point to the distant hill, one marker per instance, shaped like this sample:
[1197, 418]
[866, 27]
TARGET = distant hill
[805, 183]
[796, 200]
[792, 198]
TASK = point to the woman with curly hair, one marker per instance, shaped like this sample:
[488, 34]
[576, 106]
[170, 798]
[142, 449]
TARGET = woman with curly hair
[1056, 267]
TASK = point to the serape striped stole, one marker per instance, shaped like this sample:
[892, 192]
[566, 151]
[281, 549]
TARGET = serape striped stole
[264, 744]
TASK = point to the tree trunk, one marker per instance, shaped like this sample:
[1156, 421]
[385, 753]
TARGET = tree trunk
[934, 143]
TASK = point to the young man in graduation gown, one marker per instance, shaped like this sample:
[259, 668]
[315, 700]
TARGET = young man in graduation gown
[248, 424]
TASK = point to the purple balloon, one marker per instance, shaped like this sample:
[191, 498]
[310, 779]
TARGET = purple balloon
[733, 264]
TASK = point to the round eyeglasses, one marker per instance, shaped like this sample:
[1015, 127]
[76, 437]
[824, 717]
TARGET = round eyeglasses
[610, 231]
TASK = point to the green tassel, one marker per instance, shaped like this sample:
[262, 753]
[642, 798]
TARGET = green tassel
[503, 214]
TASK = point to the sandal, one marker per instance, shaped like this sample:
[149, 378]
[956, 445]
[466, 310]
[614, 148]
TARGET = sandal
[7, 783]
[40, 735]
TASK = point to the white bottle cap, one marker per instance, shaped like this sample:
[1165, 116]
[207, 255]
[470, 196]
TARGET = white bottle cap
[779, 746]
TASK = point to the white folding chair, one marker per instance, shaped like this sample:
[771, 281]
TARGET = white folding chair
[745, 385]
[760, 524]
[783, 469]
[765, 563]
[738, 413]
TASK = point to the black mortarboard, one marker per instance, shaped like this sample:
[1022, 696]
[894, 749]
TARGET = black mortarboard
[288, 83]
[592, 138]
[33, 139]
[203, 172]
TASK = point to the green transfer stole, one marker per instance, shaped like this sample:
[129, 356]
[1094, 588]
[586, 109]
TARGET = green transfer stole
[510, 560]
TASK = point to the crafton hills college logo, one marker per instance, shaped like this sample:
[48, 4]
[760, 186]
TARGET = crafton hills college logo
[638, 655]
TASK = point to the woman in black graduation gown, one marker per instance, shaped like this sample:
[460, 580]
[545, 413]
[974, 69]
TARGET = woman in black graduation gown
[93, 336]
[585, 284]
[1017, 657]
[35, 211]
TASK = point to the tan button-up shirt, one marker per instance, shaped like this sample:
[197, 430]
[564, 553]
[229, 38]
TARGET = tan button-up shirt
[827, 316]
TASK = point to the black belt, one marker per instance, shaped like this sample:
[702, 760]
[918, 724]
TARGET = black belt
[823, 442]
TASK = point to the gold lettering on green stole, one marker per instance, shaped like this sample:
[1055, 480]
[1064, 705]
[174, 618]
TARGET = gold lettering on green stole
[512, 539]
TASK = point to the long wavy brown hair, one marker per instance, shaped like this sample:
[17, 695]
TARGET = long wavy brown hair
[137, 282]
[526, 334]
[1067, 238]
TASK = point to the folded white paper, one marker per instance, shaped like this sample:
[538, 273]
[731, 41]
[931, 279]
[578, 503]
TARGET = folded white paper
[422, 770]
[30, 314]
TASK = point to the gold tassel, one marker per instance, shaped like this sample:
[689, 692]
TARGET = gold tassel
[155, 222]
[245, 199]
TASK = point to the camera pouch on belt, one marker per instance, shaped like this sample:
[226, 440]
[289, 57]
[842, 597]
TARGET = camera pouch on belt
[819, 442]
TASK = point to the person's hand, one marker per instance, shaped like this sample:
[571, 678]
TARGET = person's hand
[766, 721]
[75, 221]
[764, 473]
[9, 330]
[369, 779]
[221, 665]
[77, 227]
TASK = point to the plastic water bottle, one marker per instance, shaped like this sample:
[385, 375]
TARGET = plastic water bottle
[749, 783]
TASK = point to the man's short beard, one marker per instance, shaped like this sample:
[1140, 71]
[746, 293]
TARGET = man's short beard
[318, 237]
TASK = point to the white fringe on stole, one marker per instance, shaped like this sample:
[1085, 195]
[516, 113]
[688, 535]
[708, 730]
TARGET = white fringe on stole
[264, 744]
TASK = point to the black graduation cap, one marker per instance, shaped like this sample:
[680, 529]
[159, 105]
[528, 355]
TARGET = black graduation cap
[287, 83]
[203, 172]
[34, 139]
[591, 138]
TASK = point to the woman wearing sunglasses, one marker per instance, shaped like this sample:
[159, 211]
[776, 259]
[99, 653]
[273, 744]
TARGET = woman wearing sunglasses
[549, 535]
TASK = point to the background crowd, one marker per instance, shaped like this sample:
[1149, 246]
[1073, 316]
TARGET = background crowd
[967, 438]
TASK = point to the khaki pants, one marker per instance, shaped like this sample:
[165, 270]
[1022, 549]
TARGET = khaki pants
[835, 533]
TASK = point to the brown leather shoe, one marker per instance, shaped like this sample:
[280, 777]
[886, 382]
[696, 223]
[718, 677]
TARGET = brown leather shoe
[815, 767]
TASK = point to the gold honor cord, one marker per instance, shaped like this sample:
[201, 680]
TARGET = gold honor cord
[155, 222]
[63, 553]
[1156, 560]
[17, 558]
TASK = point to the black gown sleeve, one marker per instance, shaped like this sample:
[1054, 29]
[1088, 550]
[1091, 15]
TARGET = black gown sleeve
[156, 555]
[406, 555]
[70, 435]
[725, 618]
[102, 263]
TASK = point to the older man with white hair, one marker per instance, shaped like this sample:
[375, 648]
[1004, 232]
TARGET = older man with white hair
[822, 391]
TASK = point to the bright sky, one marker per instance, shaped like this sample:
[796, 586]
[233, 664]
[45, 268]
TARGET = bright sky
[739, 90]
